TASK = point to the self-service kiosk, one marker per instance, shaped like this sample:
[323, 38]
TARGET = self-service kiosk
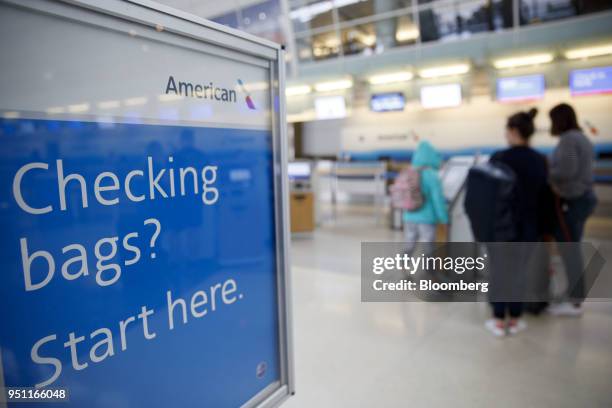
[301, 200]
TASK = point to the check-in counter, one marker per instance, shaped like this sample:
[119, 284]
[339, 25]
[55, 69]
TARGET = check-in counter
[454, 177]
[396, 221]
[351, 182]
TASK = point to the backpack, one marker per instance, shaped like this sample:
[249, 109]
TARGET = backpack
[490, 202]
[406, 191]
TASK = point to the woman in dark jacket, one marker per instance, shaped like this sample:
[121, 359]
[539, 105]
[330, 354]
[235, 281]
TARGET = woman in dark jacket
[531, 173]
[571, 177]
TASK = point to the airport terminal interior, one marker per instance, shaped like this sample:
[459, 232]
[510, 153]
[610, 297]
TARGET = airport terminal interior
[367, 83]
[366, 78]
[358, 72]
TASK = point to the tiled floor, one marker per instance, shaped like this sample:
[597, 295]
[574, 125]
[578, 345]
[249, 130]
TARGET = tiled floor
[354, 354]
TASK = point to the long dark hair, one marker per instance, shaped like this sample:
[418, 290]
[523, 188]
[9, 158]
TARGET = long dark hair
[523, 123]
[563, 118]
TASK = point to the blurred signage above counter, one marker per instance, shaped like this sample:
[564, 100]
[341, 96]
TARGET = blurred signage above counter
[330, 107]
[387, 102]
[591, 81]
[521, 88]
[441, 96]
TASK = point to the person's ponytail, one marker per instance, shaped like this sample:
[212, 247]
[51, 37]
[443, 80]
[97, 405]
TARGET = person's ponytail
[523, 123]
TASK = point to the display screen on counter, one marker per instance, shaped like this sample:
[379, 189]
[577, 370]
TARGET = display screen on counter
[441, 96]
[330, 107]
[591, 81]
[521, 88]
[387, 102]
[298, 170]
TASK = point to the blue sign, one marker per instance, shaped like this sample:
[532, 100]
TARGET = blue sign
[520, 88]
[138, 262]
[386, 102]
[591, 81]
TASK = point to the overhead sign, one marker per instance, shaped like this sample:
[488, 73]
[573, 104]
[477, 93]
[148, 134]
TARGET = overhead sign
[441, 96]
[330, 107]
[591, 81]
[520, 88]
[142, 199]
[387, 102]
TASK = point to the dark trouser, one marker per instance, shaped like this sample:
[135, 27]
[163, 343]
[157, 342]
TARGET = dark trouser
[501, 309]
[572, 214]
[508, 269]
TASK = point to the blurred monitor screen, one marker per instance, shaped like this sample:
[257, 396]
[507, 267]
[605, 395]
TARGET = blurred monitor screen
[591, 81]
[298, 170]
[330, 107]
[520, 88]
[441, 96]
[387, 102]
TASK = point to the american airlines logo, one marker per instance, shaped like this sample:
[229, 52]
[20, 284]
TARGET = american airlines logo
[248, 99]
[208, 91]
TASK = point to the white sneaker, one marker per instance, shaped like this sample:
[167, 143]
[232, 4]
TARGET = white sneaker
[518, 327]
[565, 309]
[492, 326]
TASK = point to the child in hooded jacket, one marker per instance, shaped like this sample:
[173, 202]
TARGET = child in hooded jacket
[420, 224]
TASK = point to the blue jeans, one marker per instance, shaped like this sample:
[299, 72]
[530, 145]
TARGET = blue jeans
[572, 214]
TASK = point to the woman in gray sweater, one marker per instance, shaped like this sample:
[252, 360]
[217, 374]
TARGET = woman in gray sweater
[571, 177]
